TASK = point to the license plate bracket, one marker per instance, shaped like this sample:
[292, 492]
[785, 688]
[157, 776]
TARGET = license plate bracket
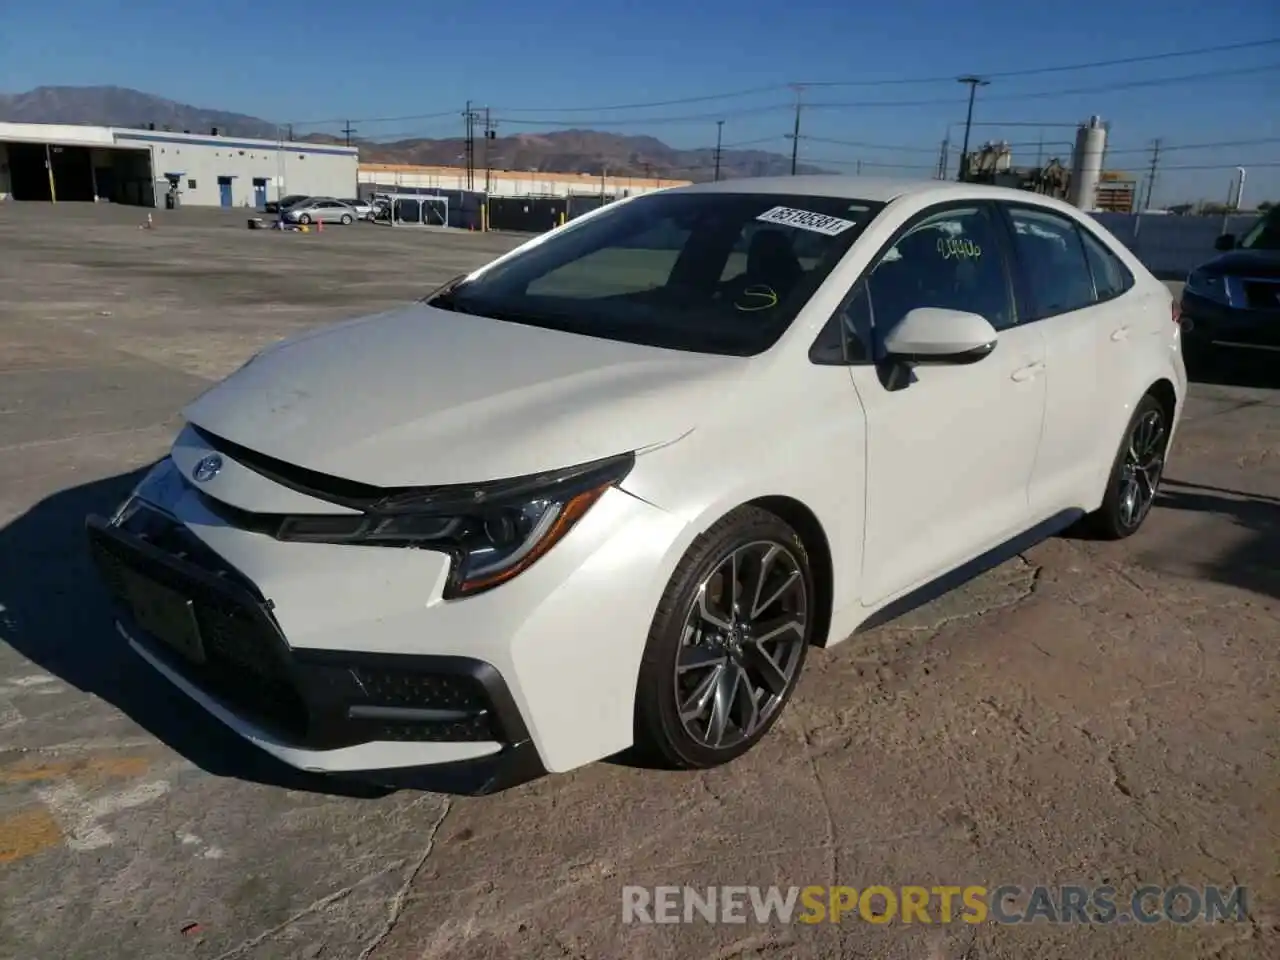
[165, 614]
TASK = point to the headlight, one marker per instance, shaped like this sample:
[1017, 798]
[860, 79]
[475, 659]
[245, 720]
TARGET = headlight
[1211, 286]
[494, 531]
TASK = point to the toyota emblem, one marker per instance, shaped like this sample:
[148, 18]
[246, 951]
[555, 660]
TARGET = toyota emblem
[207, 468]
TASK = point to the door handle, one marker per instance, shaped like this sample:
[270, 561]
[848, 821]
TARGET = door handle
[1028, 372]
[1122, 333]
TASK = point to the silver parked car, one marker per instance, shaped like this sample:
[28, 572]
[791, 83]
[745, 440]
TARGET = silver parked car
[320, 210]
[363, 208]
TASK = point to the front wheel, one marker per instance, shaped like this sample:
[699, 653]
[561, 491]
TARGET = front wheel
[727, 643]
[1135, 474]
[305, 219]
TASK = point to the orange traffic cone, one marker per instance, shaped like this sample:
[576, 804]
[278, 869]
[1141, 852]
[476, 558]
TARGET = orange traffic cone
[319, 225]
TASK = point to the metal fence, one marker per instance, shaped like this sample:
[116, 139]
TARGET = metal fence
[1171, 246]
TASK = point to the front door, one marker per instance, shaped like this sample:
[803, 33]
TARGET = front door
[950, 451]
[224, 191]
[259, 193]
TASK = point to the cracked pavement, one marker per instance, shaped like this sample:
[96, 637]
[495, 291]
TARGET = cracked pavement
[1087, 713]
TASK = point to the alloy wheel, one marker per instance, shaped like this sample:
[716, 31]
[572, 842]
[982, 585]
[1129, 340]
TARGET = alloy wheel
[1143, 465]
[741, 645]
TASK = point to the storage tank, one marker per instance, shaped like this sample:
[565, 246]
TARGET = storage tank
[1091, 143]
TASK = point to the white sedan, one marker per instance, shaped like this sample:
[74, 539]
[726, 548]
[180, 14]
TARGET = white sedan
[609, 489]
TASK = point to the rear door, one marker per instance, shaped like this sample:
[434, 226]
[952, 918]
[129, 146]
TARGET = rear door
[1087, 331]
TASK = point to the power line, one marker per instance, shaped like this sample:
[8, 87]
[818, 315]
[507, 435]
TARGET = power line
[1063, 68]
[1041, 94]
[869, 163]
[773, 108]
[1223, 166]
[869, 146]
[1152, 82]
[746, 143]
[1203, 146]
[687, 118]
[706, 98]
[904, 81]
[411, 116]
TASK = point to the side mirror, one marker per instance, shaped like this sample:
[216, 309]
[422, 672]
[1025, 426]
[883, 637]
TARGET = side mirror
[935, 335]
[1225, 242]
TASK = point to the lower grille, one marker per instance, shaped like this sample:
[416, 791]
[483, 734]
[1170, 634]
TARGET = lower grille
[242, 665]
[448, 707]
[212, 626]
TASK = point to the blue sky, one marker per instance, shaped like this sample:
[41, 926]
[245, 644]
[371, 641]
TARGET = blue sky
[409, 62]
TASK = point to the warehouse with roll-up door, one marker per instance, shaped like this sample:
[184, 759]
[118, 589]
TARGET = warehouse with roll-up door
[71, 163]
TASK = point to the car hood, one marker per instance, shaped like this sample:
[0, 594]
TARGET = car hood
[421, 396]
[1249, 263]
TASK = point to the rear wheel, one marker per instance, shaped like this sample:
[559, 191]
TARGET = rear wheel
[346, 219]
[1136, 474]
[727, 643]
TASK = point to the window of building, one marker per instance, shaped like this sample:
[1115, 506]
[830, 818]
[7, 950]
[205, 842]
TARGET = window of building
[191, 184]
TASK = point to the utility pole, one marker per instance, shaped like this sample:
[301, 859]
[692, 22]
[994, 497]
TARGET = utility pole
[719, 134]
[795, 132]
[974, 83]
[489, 134]
[470, 116]
[291, 133]
[1151, 175]
[942, 157]
[348, 130]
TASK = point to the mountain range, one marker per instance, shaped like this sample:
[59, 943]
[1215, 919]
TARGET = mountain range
[559, 151]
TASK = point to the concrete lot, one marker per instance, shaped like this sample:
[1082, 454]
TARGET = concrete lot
[1088, 713]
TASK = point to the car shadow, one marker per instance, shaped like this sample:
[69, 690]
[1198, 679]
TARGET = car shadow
[1232, 367]
[1254, 564]
[57, 615]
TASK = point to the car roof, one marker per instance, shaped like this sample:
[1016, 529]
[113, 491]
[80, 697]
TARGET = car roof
[872, 189]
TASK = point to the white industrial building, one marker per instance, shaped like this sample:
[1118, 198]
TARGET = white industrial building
[64, 162]
[506, 183]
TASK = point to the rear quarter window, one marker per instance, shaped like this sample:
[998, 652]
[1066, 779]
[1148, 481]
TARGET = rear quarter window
[1111, 277]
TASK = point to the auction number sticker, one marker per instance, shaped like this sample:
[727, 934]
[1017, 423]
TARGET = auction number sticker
[806, 220]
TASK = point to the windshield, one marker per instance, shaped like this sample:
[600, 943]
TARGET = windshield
[718, 273]
[1265, 234]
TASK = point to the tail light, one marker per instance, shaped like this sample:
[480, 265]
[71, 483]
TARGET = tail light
[1177, 311]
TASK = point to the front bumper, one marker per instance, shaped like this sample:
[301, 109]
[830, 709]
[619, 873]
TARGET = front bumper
[301, 634]
[1217, 323]
[366, 716]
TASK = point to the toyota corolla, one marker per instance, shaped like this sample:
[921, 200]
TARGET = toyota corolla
[608, 490]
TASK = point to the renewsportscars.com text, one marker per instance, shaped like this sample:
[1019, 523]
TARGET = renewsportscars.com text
[971, 904]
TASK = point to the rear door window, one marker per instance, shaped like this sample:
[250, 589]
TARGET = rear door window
[1051, 253]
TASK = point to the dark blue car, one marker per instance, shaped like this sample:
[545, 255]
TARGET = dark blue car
[1234, 299]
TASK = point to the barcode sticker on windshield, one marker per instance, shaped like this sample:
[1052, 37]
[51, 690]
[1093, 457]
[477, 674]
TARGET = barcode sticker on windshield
[806, 220]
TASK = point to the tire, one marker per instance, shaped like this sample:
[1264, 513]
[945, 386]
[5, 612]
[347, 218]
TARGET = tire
[305, 219]
[1115, 519]
[346, 219]
[721, 666]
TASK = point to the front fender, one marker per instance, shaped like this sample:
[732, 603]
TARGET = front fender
[808, 444]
